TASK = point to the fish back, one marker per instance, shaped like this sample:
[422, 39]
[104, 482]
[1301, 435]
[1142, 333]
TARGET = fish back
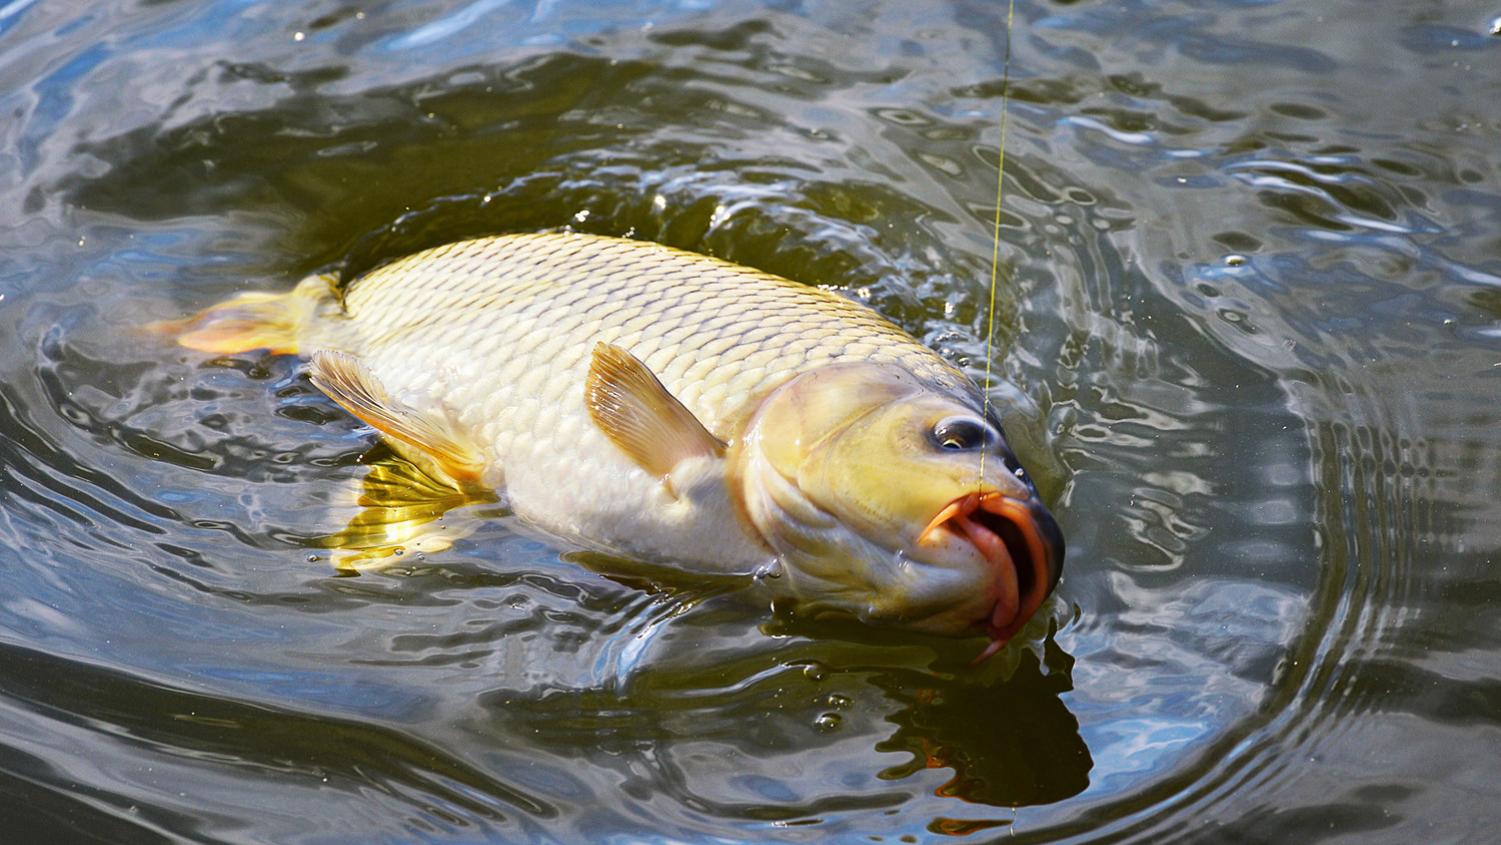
[507, 309]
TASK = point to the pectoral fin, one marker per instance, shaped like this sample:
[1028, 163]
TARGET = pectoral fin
[637, 414]
[347, 381]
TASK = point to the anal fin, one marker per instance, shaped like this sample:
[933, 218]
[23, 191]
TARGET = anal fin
[402, 514]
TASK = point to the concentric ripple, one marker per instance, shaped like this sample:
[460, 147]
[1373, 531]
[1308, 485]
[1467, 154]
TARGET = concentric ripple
[1247, 341]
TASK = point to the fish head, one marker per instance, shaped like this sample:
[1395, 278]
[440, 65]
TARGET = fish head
[895, 500]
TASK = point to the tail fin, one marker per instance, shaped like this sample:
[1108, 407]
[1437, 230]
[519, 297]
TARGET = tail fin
[254, 320]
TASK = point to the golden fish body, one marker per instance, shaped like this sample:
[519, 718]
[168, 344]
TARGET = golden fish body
[496, 335]
[660, 405]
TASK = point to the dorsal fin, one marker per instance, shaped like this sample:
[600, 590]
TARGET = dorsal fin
[637, 413]
[348, 382]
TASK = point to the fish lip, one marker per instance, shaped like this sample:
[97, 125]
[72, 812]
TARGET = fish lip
[1021, 543]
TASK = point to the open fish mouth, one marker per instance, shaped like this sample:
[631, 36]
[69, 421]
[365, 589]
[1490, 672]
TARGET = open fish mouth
[1023, 546]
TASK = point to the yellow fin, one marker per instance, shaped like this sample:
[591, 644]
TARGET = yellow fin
[253, 320]
[401, 509]
[346, 381]
[637, 413]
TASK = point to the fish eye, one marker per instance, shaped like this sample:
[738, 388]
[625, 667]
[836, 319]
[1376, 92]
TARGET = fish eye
[962, 433]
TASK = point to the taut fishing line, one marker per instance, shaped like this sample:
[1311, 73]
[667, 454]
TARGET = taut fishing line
[995, 249]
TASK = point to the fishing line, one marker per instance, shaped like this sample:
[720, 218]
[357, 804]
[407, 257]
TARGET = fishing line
[995, 249]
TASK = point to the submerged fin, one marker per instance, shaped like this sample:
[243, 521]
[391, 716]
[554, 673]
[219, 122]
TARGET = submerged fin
[637, 413]
[253, 320]
[401, 510]
[347, 381]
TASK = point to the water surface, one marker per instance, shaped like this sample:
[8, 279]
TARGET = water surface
[1248, 338]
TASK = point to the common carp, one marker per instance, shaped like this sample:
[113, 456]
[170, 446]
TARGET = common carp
[678, 409]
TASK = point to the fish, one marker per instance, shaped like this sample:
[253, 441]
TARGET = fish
[670, 407]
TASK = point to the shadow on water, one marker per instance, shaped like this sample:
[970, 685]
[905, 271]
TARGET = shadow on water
[1012, 745]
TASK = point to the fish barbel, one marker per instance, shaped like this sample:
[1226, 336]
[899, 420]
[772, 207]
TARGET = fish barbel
[674, 408]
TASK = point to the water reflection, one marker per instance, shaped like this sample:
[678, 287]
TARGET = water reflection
[740, 732]
[1249, 335]
[1007, 745]
[191, 737]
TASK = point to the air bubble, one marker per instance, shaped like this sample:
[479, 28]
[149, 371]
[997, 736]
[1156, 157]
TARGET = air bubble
[1235, 260]
[828, 722]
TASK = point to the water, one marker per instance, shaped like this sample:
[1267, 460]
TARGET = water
[1248, 340]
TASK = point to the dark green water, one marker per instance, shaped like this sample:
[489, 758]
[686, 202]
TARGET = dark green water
[1250, 340]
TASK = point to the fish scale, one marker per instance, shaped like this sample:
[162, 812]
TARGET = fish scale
[496, 334]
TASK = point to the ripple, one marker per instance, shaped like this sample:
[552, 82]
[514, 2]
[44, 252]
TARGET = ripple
[1248, 322]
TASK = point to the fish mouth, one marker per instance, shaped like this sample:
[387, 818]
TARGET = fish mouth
[1023, 547]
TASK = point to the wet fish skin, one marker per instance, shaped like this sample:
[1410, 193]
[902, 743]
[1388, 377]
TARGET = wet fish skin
[477, 357]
